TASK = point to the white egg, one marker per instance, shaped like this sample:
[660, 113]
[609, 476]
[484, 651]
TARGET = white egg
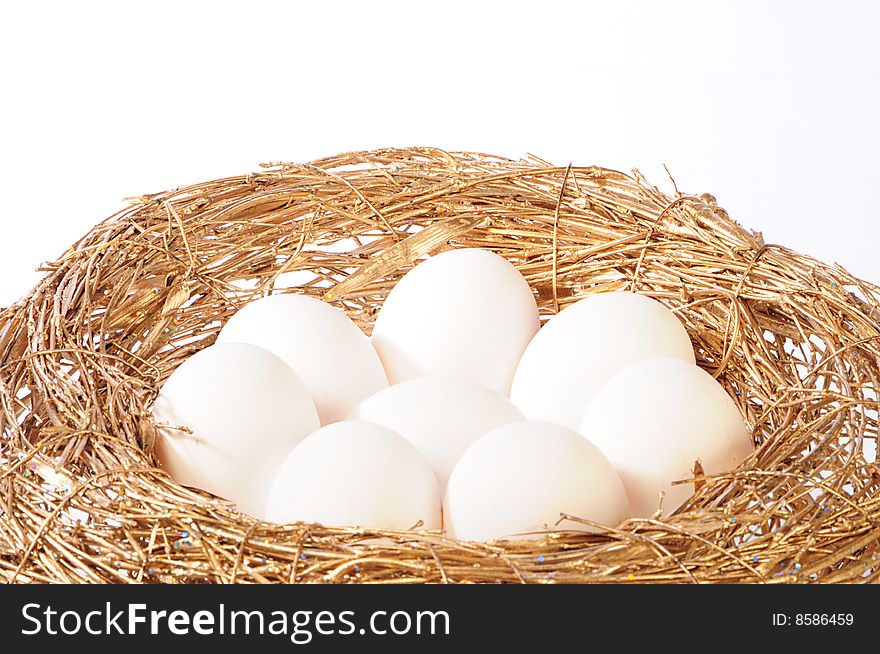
[520, 477]
[332, 356]
[245, 408]
[441, 417]
[466, 314]
[654, 419]
[581, 347]
[358, 474]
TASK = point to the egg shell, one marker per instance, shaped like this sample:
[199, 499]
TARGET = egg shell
[578, 349]
[331, 355]
[520, 477]
[466, 314]
[246, 409]
[654, 419]
[358, 474]
[440, 417]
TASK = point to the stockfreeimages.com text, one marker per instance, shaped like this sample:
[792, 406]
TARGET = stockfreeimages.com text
[300, 626]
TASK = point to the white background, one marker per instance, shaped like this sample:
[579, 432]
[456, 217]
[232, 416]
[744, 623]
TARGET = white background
[771, 106]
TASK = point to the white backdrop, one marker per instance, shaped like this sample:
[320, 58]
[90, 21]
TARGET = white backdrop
[770, 106]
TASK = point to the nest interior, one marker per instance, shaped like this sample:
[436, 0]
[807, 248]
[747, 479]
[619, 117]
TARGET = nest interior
[793, 340]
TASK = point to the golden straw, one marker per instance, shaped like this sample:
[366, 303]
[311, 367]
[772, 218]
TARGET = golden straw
[795, 342]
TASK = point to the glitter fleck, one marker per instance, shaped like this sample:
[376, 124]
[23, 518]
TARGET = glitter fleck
[541, 558]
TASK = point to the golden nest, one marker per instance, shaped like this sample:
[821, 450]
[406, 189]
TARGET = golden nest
[794, 341]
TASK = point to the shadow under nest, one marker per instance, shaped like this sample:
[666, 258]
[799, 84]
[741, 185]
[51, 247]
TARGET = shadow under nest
[794, 341]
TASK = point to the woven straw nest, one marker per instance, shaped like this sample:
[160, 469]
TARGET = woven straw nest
[793, 340]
